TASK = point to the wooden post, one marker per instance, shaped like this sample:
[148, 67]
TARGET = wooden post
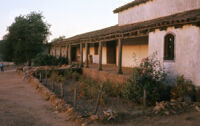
[86, 54]
[69, 55]
[61, 51]
[40, 76]
[81, 55]
[75, 96]
[144, 98]
[98, 102]
[46, 77]
[55, 52]
[100, 56]
[52, 85]
[119, 56]
[62, 90]
[66, 55]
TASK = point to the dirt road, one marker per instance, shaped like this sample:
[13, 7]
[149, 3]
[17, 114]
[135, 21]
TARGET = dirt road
[21, 105]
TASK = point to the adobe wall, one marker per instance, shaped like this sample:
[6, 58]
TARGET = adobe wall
[187, 51]
[133, 51]
[155, 9]
[95, 58]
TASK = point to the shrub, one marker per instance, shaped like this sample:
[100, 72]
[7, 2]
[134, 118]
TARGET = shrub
[149, 76]
[48, 60]
[90, 88]
[182, 89]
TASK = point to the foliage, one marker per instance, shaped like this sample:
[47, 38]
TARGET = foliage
[58, 39]
[1, 48]
[90, 88]
[149, 76]
[48, 60]
[183, 88]
[25, 38]
[55, 76]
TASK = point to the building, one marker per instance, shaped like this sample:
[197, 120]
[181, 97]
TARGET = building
[170, 28]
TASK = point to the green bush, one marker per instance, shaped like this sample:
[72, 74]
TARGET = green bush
[90, 88]
[48, 60]
[182, 89]
[149, 76]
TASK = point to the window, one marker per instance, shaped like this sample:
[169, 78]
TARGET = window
[169, 47]
[96, 48]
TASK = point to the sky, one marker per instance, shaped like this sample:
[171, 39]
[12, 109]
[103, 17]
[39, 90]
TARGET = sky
[66, 17]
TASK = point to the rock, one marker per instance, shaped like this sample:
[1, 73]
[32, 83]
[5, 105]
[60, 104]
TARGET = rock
[94, 117]
[197, 108]
[110, 114]
[172, 100]
[84, 124]
[167, 113]
[187, 99]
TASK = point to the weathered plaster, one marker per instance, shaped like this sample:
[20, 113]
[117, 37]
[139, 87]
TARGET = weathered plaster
[156, 9]
[187, 51]
[133, 51]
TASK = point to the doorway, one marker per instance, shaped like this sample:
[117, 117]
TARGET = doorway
[111, 52]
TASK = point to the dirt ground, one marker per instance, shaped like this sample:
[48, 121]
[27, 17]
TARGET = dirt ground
[21, 105]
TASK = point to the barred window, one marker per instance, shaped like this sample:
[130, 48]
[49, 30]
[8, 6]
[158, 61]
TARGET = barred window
[169, 47]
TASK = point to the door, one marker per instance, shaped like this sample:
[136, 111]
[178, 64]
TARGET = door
[111, 52]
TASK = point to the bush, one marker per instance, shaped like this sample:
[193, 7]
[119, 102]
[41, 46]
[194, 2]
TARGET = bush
[149, 76]
[90, 88]
[183, 89]
[48, 60]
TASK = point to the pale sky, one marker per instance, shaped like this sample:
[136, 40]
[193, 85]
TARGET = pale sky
[66, 17]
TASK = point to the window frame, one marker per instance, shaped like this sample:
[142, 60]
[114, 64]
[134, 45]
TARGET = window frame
[174, 48]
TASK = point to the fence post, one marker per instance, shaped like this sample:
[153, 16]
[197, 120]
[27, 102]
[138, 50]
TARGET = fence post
[52, 85]
[40, 76]
[46, 77]
[98, 102]
[75, 96]
[62, 90]
[144, 99]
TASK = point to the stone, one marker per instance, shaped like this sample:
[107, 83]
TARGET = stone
[197, 108]
[94, 117]
[187, 99]
[84, 124]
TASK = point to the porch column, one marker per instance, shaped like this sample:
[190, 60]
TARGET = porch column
[66, 55]
[55, 52]
[119, 56]
[61, 51]
[86, 54]
[69, 55]
[100, 56]
[81, 55]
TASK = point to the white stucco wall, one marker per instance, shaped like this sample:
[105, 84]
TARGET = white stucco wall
[57, 51]
[95, 58]
[155, 9]
[187, 51]
[133, 51]
[63, 51]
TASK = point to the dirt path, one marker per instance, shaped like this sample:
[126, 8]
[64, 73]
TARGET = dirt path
[21, 105]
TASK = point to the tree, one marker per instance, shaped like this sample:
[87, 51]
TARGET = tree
[26, 38]
[60, 38]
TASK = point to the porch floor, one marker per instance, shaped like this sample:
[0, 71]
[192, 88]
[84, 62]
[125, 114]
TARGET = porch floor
[111, 68]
